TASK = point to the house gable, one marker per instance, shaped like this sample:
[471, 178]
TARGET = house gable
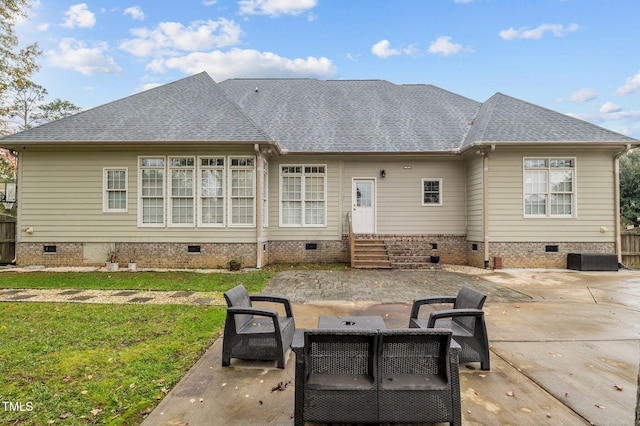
[193, 109]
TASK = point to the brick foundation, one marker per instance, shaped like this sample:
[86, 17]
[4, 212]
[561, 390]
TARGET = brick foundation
[535, 255]
[146, 255]
[415, 251]
[405, 252]
[297, 251]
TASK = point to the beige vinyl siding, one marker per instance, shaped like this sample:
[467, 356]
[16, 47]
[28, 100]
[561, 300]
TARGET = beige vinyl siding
[399, 208]
[475, 213]
[594, 205]
[332, 230]
[61, 198]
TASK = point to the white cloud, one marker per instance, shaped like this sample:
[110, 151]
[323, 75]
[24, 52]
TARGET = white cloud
[79, 15]
[444, 46]
[609, 107]
[246, 63]
[169, 38]
[382, 49]
[537, 33]
[74, 55]
[631, 85]
[135, 12]
[582, 95]
[275, 7]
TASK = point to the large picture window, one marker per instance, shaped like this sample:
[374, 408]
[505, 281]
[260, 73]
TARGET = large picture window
[115, 190]
[303, 195]
[188, 191]
[549, 187]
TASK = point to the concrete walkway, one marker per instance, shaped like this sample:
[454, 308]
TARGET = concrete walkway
[564, 347]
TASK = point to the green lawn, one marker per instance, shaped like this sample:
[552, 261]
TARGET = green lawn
[254, 281]
[79, 364]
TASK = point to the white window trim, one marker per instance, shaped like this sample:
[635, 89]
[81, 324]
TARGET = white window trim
[438, 204]
[224, 191]
[164, 195]
[302, 213]
[170, 197]
[574, 194]
[230, 168]
[105, 190]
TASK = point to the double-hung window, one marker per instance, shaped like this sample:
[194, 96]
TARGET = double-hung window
[303, 199]
[549, 187]
[152, 191]
[211, 191]
[242, 191]
[182, 191]
[115, 190]
[431, 192]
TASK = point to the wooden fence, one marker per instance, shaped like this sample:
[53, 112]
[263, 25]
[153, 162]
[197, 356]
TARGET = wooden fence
[7, 239]
[630, 242]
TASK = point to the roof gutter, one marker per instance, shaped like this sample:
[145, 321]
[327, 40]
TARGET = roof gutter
[616, 191]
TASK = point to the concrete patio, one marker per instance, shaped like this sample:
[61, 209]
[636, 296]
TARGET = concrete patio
[564, 347]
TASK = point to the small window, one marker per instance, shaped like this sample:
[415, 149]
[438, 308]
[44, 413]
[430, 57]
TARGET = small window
[431, 192]
[115, 190]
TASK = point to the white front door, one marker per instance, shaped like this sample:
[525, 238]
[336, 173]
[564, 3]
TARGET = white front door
[363, 202]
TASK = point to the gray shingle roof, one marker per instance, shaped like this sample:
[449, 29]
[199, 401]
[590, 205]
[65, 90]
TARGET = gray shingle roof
[307, 115]
[506, 119]
[191, 109]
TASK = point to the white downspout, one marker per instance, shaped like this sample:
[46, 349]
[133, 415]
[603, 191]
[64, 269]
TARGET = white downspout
[259, 196]
[485, 207]
[616, 191]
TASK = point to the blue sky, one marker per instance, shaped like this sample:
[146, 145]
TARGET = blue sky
[579, 57]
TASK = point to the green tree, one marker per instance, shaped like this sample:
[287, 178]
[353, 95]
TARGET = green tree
[24, 104]
[16, 65]
[56, 110]
[630, 188]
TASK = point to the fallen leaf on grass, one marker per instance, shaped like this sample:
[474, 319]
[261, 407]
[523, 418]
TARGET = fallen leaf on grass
[66, 415]
[132, 386]
[96, 411]
[145, 411]
[67, 379]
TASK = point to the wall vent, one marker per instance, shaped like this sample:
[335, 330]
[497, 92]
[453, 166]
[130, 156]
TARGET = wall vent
[193, 249]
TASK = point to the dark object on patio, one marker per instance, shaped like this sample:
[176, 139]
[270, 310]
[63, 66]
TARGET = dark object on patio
[419, 381]
[336, 377]
[256, 333]
[592, 262]
[369, 376]
[466, 320]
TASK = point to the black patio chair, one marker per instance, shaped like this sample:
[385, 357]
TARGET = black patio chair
[256, 333]
[465, 319]
[418, 376]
